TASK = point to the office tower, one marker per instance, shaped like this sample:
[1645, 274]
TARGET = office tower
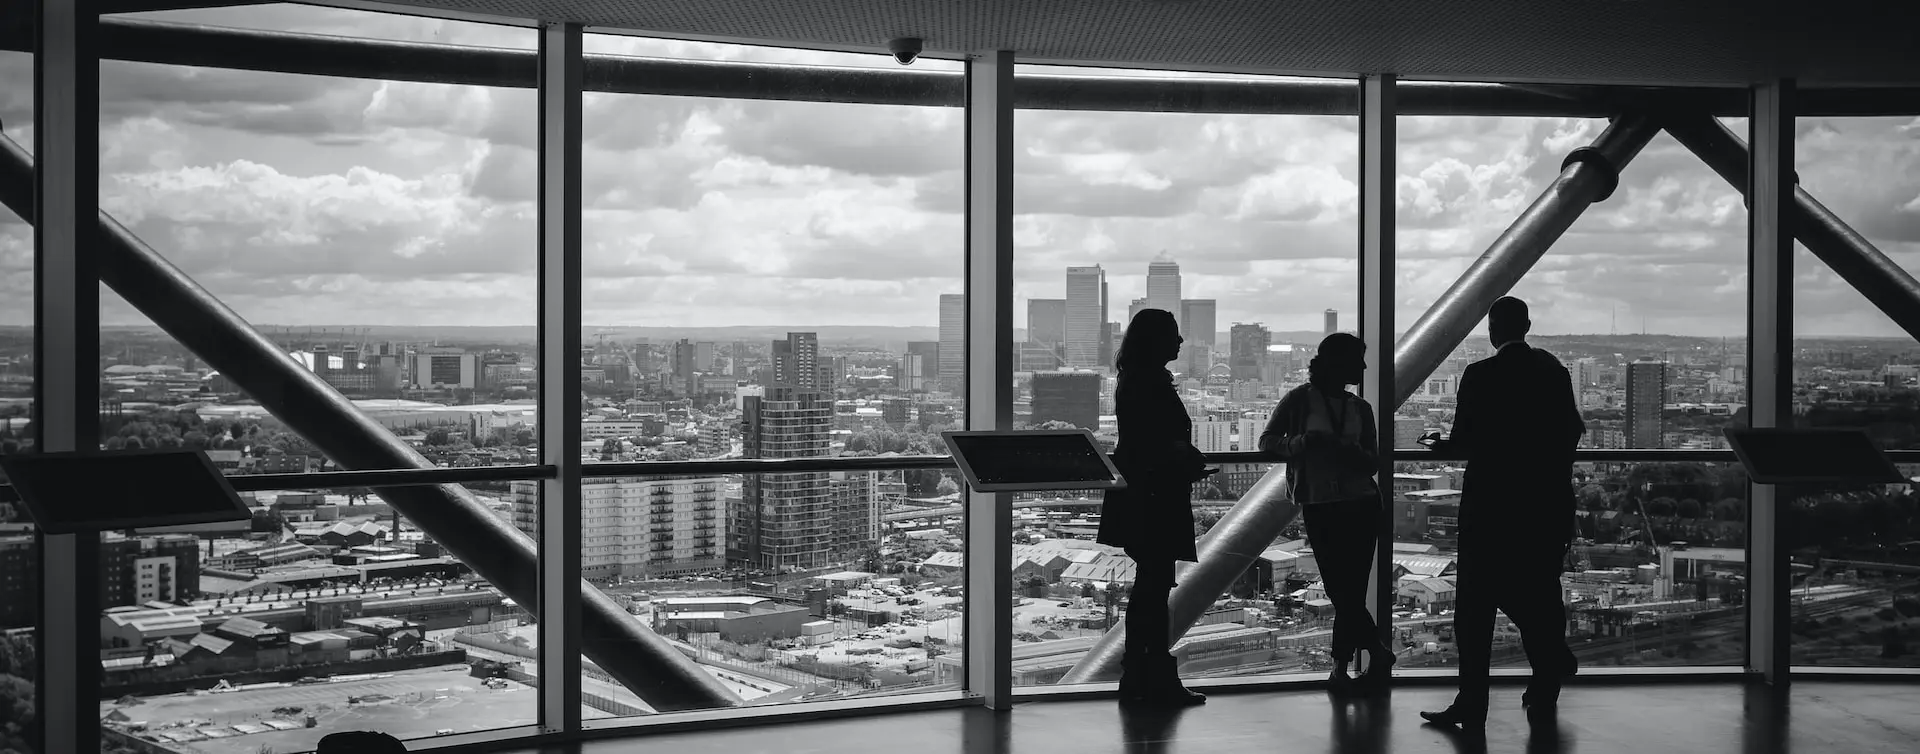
[639, 527]
[741, 355]
[1248, 348]
[784, 519]
[1333, 322]
[134, 570]
[1071, 397]
[911, 376]
[1213, 437]
[1646, 398]
[953, 341]
[1163, 286]
[1586, 372]
[685, 365]
[796, 361]
[1133, 310]
[703, 357]
[1047, 320]
[929, 353]
[1197, 320]
[445, 370]
[831, 372]
[1086, 315]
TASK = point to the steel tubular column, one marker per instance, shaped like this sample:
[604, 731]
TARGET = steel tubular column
[1377, 271]
[1769, 365]
[989, 369]
[1225, 553]
[296, 396]
[1850, 255]
[66, 353]
[559, 543]
[1589, 175]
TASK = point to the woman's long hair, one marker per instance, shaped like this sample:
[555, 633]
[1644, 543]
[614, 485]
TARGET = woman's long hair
[1336, 351]
[1138, 348]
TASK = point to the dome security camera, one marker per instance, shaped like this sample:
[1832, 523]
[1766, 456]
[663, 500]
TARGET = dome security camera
[905, 49]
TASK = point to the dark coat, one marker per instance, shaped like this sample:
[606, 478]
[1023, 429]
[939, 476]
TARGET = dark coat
[1518, 423]
[1153, 517]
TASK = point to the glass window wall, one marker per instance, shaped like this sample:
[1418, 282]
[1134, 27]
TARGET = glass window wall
[1643, 300]
[772, 279]
[776, 279]
[1243, 227]
[379, 233]
[19, 556]
[1855, 549]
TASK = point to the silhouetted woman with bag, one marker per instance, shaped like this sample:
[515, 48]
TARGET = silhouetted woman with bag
[1326, 436]
[1152, 519]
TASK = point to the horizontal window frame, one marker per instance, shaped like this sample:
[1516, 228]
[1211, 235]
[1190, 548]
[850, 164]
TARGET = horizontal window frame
[173, 43]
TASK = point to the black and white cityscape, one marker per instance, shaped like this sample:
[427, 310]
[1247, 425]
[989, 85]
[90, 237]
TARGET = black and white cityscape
[769, 279]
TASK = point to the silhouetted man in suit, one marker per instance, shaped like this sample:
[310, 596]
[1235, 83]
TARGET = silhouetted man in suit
[1517, 424]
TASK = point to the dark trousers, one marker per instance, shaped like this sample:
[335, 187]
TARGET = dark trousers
[1343, 535]
[1147, 610]
[1519, 578]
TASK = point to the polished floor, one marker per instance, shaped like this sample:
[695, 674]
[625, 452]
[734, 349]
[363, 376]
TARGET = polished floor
[1705, 718]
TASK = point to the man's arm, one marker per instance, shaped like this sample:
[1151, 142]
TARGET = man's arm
[1576, 426]
[1465, 418]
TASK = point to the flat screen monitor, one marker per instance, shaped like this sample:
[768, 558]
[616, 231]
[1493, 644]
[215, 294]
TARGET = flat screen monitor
[1064, 459]
[68, 493]
[1811, 456]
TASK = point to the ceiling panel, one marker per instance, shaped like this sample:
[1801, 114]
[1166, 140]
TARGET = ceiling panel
[1601, 41]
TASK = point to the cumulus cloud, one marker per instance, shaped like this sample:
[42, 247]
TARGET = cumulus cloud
[333, 201]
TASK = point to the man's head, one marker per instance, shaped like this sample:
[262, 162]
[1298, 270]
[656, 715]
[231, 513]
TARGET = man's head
[1507, 320]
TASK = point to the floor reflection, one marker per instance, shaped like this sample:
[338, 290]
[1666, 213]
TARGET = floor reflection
[1147, 730]
[1361, 726]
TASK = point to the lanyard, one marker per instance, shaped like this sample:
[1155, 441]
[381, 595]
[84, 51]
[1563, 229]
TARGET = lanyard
[1339, 419]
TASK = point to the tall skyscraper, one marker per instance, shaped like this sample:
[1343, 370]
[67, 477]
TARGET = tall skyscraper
[1163, 285]
[1197, 320]
[796, 361]
[912, 374]
[929, 353]
[1086, 315]
[953, 341]
[1047, 320]
[1333, 322]
[1071, 397]
[785, 519]
[1247, 350]
[1646, 397]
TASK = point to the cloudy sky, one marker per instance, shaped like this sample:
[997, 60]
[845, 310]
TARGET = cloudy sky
[309, 200]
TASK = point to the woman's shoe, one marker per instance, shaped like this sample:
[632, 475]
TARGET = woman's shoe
[1339, 683]
[1165, 690]
[1379, 676]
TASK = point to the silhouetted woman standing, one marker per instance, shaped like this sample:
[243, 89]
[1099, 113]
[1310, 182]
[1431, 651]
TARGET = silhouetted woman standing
[1152, 519]
[1326, 436]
